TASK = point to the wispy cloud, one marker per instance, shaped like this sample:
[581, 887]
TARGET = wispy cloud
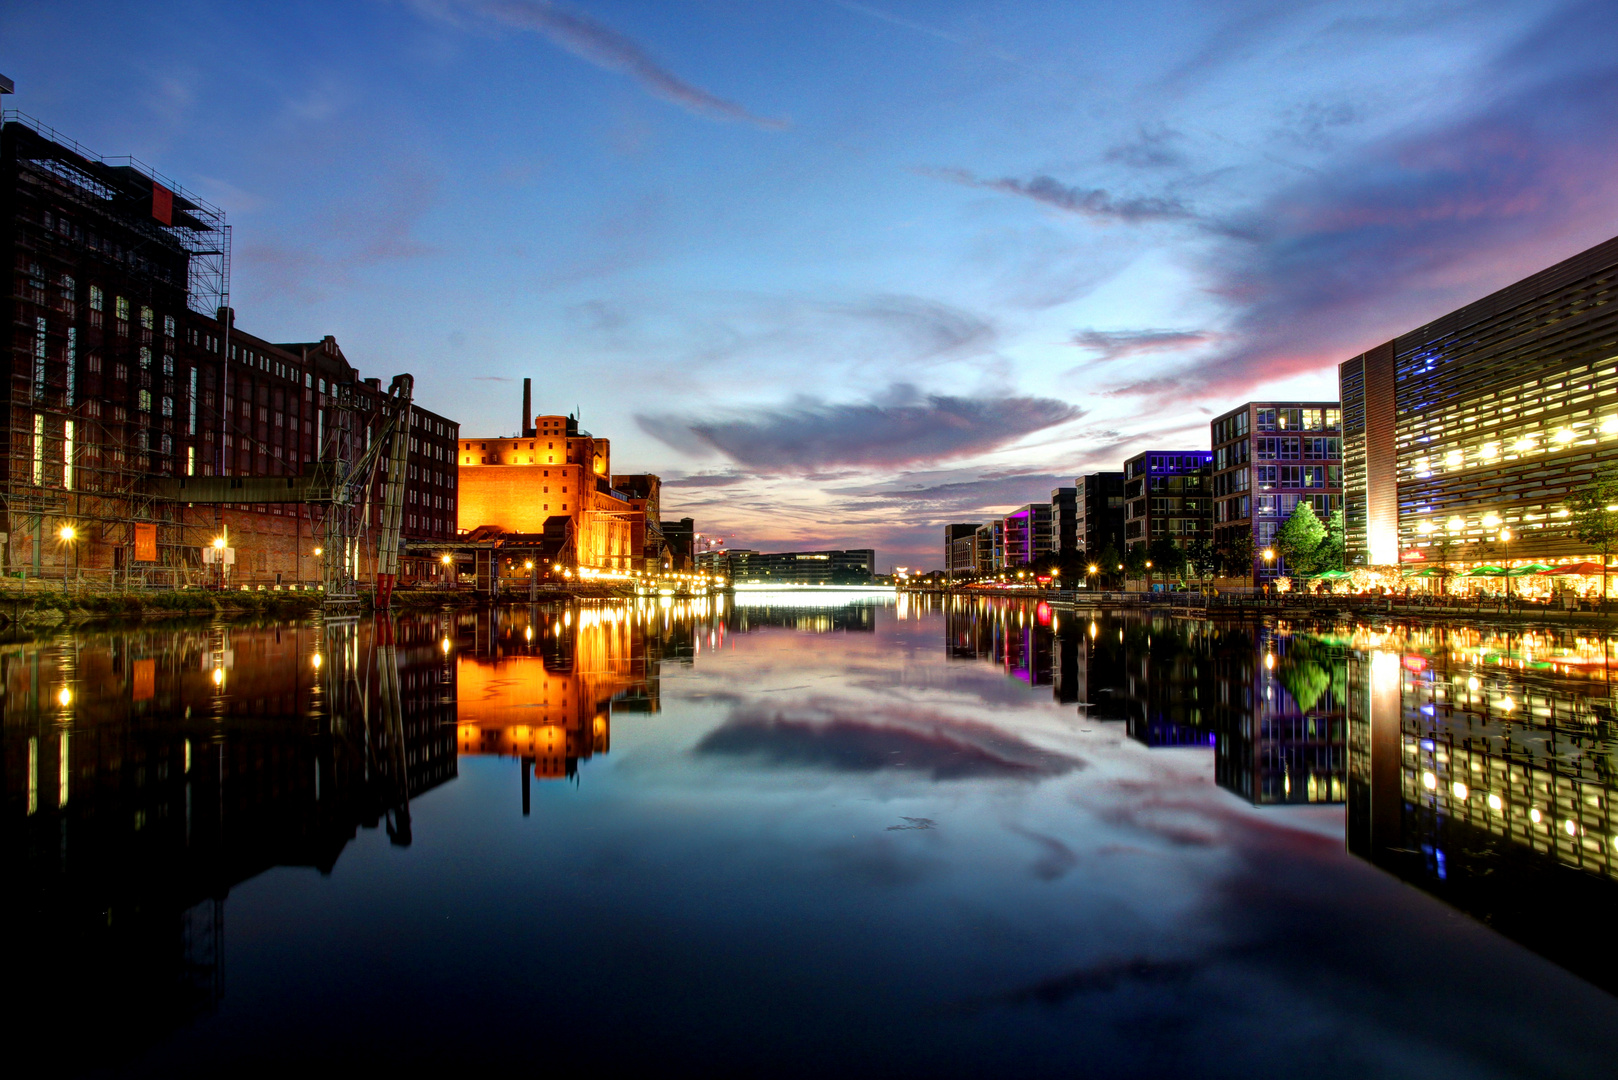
[1096, 204]
[1112, 344]
[922, 28]
[903, 428]
[608, 49]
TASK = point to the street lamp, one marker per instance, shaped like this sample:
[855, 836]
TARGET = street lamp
[66, 533]
[1505, 538]
[1148, 575]
[1269, 557]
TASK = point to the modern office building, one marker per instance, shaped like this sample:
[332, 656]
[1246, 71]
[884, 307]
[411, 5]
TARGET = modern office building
[1267, 458]
[1065, 520]
[960, 550]
[1099, 513]
[1470, 432]
[1166, 496]
[1027, 533]
[991, 546]
[855, 566]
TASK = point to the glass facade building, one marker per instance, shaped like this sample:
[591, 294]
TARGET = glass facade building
[1267, 458]
[1166, 496]
[1464, 437]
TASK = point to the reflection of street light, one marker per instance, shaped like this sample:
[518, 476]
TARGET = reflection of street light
[316, 661]
[64, 697]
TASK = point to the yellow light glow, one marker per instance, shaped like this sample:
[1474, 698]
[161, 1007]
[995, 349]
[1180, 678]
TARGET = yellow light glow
[319, 552]
[219, 676]
[1609, 424]
[1564, 436]
[1455, 524]
[1429, 781]
[445, 559]
[1489, 451]
[1491, 520]
[219, 543]
[1533, 815]
[1458, 789]
[444, 645]
[1454, 459]
[1523, 445]
[1269, 554]
[1494, 802]
[1572, 829]
[316, 660]
[64, 697]
[1093, 568]
[1505, 535]
[67, 532]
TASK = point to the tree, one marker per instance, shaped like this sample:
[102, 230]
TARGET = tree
[1236, 555]
[1109, 562]
[1135, 561]
[1167, 558]
[1203, 558]
[1595, 517]
[1329, 555]
[1298, 538]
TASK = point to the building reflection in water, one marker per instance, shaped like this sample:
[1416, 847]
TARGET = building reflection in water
[1482, 769]
[1269, 701]
[149, 772]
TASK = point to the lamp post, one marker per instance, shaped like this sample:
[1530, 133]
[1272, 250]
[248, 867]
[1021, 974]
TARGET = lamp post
[533, 581]
[1092, 574]
[1505, 538]
[1269, 557]
[1148, 577]
[219, 561]
[447, 561]
[67, 533]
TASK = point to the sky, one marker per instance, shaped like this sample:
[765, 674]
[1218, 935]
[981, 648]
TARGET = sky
[845, 272]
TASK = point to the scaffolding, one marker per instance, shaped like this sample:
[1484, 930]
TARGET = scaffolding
[81, 463]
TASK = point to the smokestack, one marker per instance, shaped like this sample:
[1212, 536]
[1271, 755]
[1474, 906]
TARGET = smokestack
[527, 428]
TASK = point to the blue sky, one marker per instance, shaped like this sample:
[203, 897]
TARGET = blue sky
[843, 272]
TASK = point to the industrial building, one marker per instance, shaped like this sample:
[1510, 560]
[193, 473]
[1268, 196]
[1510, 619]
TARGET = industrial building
[132, 395]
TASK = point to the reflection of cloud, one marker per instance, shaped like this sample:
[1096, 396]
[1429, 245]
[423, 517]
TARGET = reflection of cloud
[606, 48]
[1094, 203]
[811, 434]
[1100, 978]
[1055, 859]
[817, 735]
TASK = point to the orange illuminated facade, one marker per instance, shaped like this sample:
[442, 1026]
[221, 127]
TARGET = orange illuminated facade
[557, 479]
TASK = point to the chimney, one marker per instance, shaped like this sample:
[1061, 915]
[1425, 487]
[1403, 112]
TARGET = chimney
[527, 429]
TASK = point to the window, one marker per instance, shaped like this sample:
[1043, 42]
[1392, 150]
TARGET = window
[145, 357]
[168, 405]
[168, 364]
[145, 317]
[1264, 475]
[144, 401]
[120, 307]
[97, 298]
[1266, 419]
[168, 326]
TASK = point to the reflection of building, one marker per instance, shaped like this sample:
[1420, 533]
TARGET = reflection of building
[1482, 420]
[1281, 701]
[1268, 458]
[1491, 784]
[148, 773]
[1166, 496]
[1169, 682]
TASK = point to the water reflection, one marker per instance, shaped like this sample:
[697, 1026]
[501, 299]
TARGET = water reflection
[1270, 700]
[819, 767]
[1482, 769]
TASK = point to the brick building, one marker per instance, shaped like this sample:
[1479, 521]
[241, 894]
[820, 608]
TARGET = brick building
[125, 374]
[1268, 457]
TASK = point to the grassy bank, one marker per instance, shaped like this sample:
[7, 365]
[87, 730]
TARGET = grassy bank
[48, 607]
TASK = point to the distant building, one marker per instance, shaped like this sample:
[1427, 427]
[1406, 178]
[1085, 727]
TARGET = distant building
[1485, 420]
[1269, 457]
[1166, 496]
[1027, 535]
[1099, 513]
[679, 544]
[990, 546]
[1065, 520]
[960, 550]
[856, 566]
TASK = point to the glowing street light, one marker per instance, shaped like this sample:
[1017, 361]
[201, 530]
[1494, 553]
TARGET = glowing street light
[67, 533]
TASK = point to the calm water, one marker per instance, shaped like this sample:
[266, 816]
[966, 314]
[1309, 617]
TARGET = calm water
[876, 840]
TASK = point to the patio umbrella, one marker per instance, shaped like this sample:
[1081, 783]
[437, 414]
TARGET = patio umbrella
[1578, 568]
[1487, 571]
[1331, 575]
[1524, 571]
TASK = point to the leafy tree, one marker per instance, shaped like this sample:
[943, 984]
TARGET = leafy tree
[1108, 562]
[1168, 560]
[1298, 538]
[1236, 555]
[1595, 517]
[1329, 555]
[1203, 558]
[1136, 559]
